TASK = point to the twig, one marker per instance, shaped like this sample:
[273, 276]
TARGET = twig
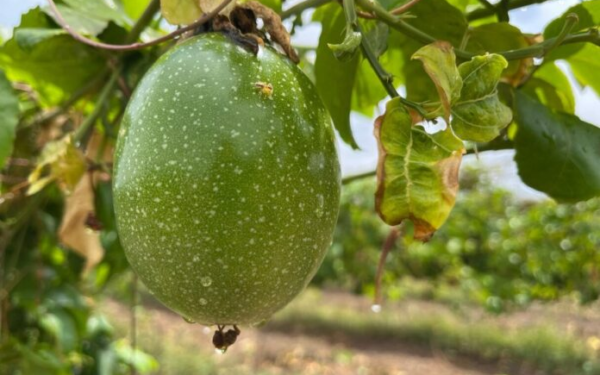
[78, 95]
[84, 130]
[396, 11]
[502, 11]
[496, 145]
[135, 46]
[488, 5]
[388, 245]
[387, 80]
[301, 7]
[570, 21]
[360, 176]
[487, 11]
[536, 50]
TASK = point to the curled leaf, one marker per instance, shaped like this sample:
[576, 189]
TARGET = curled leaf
[417, 173]
[346, 50]
[479, 115]
[439, 62]
[74, 231]
[64, 164]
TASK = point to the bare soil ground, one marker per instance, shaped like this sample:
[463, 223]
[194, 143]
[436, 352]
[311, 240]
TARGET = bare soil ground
[281, 349]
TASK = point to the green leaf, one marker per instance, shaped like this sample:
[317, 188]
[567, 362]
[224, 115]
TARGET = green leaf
[80, 23]
[54, 67]
[442, 21]
[588, 13]
[557, 153]
[417, 172]
[91, 17]
[142, 362]
[135, 8]
[497, 37]
[273, 4]
[378, 37]
[479, 115]
[9, 118]
[346, 50]
[551, 86]
[61, 325]
[28, 38]
[108, 10]
[180, 12]
[334, 78]
[586, 66]
[439, 62]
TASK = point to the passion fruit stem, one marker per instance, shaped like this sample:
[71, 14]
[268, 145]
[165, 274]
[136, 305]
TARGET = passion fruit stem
[153, 7]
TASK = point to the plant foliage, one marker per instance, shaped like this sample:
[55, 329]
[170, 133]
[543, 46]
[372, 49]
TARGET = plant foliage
[459, 61]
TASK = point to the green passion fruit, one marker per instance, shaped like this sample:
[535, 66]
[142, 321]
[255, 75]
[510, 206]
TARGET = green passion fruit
[226, 181]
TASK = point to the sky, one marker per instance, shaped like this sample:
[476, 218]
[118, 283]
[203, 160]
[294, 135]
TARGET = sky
[531, 19]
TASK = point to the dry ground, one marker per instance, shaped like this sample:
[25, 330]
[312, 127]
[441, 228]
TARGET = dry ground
[284, 348]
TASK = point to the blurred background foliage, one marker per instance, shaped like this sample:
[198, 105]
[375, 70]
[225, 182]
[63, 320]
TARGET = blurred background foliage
[494, 249]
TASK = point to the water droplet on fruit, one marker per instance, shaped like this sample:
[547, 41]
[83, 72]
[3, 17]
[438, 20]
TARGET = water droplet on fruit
[320, 206]
[188, 320]
[376, 308]
[206, 281]
[202, 301]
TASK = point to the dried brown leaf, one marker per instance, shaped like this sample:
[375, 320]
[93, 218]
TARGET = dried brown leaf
[274, 27]
[74, 232]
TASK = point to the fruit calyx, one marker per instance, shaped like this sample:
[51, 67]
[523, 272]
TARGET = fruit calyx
[223, 340]
[241, 27]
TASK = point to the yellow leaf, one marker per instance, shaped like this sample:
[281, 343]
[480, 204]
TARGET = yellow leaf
[180, 12]
[73, 231]
[417, 172]
[208, 5]
[64, 164]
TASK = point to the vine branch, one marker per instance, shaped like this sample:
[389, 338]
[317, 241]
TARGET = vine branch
[388, 245]
[301, 7]
[490, 11]
[82, 133]
[137, 29]
[396, 11]
[536, 50]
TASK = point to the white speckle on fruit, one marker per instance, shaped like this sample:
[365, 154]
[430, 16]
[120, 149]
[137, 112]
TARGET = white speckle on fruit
[206, 281]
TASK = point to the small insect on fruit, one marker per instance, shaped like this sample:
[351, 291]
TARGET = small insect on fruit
[265, 88]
